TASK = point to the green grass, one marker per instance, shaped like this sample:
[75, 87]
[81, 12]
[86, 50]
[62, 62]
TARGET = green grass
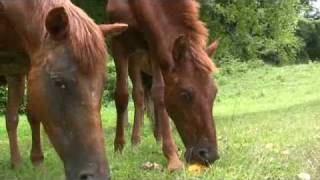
[268, 123]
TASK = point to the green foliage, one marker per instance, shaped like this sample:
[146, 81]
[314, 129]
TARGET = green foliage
[3, 99]
[110, 85]
[231, 65]
[309, 31]
[95, 8]
[251, 29]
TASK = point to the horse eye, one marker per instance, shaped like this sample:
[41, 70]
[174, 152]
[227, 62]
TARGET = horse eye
[59, 82]
[187, 95]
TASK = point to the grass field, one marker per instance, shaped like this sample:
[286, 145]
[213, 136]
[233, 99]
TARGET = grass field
[268, 123]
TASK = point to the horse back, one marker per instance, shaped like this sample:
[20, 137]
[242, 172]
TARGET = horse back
[157, 21]
[9, 41]
[13, 58]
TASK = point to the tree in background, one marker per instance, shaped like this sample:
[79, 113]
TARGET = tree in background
[310, 12]
[309, 31]
[254, 29]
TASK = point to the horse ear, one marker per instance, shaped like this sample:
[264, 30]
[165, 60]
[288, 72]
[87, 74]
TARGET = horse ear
[180, 47]
[211, 50]
[57, 23]
[113, 29]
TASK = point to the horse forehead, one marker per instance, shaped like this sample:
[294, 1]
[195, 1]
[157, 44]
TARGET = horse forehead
[192, 77]
[60, 57]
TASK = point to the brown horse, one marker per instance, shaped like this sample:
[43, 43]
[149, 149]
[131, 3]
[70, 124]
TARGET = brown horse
[65, 82]
[139, 72]
[171, 36]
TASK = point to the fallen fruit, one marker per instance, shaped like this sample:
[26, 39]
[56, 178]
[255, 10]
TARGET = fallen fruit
[196, 169]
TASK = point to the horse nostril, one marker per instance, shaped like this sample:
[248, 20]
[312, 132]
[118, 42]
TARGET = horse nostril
[86, 176]
[203, 153]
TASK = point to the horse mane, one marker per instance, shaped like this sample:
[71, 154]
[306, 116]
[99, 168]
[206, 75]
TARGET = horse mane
[196, 32]
[85, 37]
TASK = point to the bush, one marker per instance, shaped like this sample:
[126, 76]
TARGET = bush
[110, 85]
[251, 30]
[3, 99]
[309, 31]
[95, 9]
[231, 65]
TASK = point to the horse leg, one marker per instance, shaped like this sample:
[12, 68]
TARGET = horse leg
[149, 106]
[15, 97]
[138, 99]
[168, 146]
[157, 125]
[121, 94]
[36, 154]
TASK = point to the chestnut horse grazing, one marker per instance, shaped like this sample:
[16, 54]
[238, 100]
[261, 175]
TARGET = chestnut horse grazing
[171, 36]
[139, 72]
[65, 82]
